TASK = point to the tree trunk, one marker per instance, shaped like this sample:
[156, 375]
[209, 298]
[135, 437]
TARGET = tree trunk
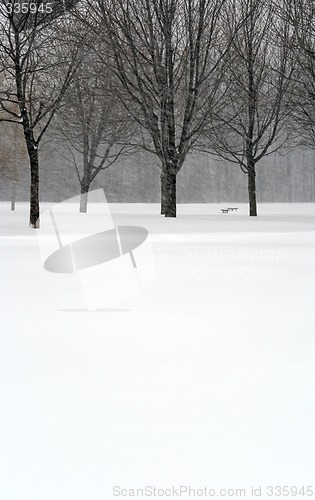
[252, 191]
[163, 192]
[85, 187]
[34, 190]
[170, 198]
[32, 150]
[13, 193]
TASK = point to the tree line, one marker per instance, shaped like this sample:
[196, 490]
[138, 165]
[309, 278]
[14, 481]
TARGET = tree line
[233, 78]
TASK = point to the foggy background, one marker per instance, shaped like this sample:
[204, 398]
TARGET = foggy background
[285, 177]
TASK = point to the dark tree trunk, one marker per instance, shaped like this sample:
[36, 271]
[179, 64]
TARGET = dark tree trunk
[170, 198]
[252, 191]
[163, 192]
[34, 191]
[13, 194]
[32, 150]
[85, 187]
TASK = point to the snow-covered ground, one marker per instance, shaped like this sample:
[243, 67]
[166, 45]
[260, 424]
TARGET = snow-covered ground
[205, 379]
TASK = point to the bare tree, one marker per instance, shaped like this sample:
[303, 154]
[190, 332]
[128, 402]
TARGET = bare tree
[252, 123]
[300, 14]
[8, 169]
[38, 58]
[94, 126]
[169, 57]
[13, 156]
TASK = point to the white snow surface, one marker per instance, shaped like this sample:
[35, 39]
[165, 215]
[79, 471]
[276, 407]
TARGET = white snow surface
[205, 379]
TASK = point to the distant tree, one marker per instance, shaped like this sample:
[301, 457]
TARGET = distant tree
[8, 171]
[169, 58]
[300, 14]
[253, 121]
[94, 126]
[13, 156]
[38, 58]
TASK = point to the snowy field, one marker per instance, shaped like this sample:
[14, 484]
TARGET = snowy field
[205, 379]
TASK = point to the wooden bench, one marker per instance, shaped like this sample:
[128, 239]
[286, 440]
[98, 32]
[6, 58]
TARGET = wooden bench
[225, 210]
[232, 208]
